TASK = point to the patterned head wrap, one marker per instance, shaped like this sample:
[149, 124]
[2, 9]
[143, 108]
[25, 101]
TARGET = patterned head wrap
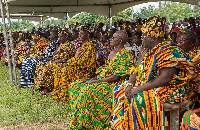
[35, 37]
[103, 33]
[86, 28]
[154, 27]
[63, 32]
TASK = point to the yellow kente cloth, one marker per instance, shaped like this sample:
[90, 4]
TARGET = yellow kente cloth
[21, 52]
[76, 68]
[45, 72]
[40, 47]
[91, 104]
[194, 55]
[146, 108]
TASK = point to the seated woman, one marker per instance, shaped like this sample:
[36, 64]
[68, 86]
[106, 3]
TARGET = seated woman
[82, 65]
[22, 49]
[29, 64]
[103, 49]
[120, 102]
[75, 40]
[65, 51]
[136, 44]
[91, 99]
[47, 56]
[167, 71]
[187, 42]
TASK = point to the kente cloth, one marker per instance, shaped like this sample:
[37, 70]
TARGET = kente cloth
[45, 77]
[28, 67]
[103, 51]
[27, 72]
[191, 120]
[50, 50]
[21, 52]
[120, 103]
[91, 104]
[80, 67]
[48, 53]
[119, 107]
[194, 84]
[4, 58]
[41, 46]
[146, 109]
[77, 44]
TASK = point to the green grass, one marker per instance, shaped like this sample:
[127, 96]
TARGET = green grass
[26, 106]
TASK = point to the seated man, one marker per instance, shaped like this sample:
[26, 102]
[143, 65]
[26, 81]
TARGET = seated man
[82, 65]
[167, 71]
[91, 99]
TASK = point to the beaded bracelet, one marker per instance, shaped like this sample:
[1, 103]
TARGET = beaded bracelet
[133, 71]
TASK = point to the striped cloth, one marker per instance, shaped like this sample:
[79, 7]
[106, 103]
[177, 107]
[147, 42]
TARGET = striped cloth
[191, 121]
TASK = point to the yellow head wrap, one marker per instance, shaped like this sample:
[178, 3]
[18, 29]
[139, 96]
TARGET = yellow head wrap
[154, 26]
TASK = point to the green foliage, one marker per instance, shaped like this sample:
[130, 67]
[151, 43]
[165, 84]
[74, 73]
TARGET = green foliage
[147, 12]
[90, 18]
[175, 11]
[26, 106]
[121, 15]
[53, 22]
[196, 11]
[19, 26]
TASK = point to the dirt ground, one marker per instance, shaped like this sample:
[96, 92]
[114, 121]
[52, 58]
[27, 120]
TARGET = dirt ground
[39, 126]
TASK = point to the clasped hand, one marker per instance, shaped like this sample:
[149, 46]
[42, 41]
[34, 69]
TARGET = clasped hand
[39, 57]
[130, 92]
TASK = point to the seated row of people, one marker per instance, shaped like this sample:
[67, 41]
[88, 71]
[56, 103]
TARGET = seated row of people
[166, 72]
[119, 88]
